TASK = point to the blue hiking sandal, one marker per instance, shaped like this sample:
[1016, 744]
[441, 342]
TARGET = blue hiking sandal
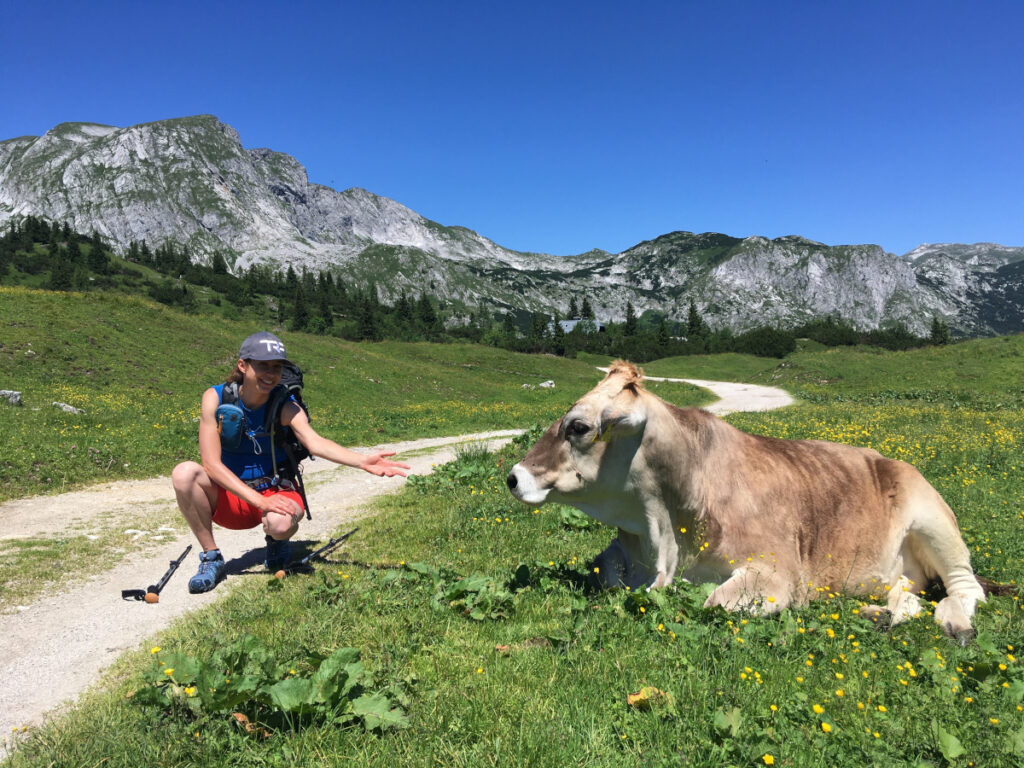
[279, 554]
[210, 573]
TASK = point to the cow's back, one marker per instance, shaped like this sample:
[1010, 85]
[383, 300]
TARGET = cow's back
[826, 511]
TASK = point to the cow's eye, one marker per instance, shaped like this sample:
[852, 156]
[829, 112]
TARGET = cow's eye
[577, 428]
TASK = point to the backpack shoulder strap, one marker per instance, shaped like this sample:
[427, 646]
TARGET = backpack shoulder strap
[275, 402]
[229, 393]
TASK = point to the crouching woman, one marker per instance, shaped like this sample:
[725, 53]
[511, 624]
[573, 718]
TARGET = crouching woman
[234, 488]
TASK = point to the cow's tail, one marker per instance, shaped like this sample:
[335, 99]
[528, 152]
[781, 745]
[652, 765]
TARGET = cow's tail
[999, 590]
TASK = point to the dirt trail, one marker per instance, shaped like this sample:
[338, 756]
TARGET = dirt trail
[53, 649]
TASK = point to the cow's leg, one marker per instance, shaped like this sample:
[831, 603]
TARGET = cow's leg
[950, 560]
[618, 564]
[935, 542]
[664, 551]
[903, 603]
[754, 589]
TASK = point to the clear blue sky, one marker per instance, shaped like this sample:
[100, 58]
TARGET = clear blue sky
[564, 126]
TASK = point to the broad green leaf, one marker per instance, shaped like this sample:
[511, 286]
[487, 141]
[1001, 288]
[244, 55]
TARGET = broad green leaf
[985, 643]
[1016, 691]
[949, 745]
[291, 695]
[930, 661]
[728, 723]
[186, 668]
[331, 675]
[371, 704]
[1015, 743]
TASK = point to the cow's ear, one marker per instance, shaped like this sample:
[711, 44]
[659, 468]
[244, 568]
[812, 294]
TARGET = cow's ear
[616, 422]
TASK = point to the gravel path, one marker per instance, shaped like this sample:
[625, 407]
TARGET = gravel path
[55, 648]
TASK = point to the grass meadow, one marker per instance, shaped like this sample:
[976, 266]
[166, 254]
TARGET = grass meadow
[458, 628]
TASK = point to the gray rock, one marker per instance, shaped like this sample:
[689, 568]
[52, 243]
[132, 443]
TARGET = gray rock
[12, 397]
[67, 408]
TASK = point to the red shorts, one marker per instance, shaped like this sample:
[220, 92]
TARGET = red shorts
[238, 515]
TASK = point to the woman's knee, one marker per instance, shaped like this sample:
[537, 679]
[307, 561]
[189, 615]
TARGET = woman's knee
[187, 474]
[280, 526]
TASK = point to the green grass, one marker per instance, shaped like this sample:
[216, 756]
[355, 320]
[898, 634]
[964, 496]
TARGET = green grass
[981, 372]
[490, 663]
[541, 675]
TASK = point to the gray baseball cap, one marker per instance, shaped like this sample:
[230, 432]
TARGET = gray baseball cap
[263, 346]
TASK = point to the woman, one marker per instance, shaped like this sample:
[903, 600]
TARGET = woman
[232, 486]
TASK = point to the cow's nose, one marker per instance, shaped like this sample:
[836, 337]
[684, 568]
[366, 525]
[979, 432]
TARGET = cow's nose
[511, 481]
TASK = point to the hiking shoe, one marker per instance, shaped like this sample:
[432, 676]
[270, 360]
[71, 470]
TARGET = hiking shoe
[210, 573]
[279, 554]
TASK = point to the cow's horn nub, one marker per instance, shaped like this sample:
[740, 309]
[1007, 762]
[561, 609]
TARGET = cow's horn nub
[633, 374]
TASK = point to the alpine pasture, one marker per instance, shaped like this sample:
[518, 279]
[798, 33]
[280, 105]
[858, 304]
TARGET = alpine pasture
[458, 627]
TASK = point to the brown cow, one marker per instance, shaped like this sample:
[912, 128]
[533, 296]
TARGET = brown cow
[773, 522]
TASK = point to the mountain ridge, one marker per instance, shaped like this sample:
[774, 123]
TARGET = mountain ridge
[190, 180]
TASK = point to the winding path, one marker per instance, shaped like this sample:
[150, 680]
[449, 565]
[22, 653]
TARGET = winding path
[54, 649]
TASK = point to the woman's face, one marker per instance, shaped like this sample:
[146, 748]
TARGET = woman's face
[261, 375]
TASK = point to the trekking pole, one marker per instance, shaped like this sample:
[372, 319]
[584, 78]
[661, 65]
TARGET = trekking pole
[303, 564]
[152, 592]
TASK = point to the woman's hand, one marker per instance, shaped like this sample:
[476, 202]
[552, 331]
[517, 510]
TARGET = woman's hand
[379, 464]
[279, 504]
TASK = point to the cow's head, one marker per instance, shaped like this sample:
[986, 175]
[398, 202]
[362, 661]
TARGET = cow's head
[566, 461]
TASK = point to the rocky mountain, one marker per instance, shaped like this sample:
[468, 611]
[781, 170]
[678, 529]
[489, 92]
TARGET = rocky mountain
[191, 181]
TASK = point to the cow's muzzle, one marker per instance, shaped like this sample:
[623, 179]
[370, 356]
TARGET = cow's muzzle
[523, 485]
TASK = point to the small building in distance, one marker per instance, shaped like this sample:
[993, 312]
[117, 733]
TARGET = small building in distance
[568, 325]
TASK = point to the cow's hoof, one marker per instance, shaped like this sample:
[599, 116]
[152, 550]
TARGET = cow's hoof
[881, 620]
[964, 636]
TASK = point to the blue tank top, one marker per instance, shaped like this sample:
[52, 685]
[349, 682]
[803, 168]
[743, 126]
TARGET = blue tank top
[253, 459]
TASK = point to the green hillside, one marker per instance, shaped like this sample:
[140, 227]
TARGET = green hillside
[137, 370]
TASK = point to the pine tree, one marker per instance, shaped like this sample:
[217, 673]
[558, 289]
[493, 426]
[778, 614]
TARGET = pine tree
[663, 337]
[509, 329]
[367, 326]
[326, 311]
[629, 327]
[574, 310]
[61, 275]
[404, 316]
[427, 317]
[557, 335]
[695, 325]
[98, 261]
[300, 312]
[940, 332]
[218, 264]
[586, 311]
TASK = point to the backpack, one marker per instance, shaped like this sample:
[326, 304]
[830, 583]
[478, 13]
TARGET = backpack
[232, 427]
